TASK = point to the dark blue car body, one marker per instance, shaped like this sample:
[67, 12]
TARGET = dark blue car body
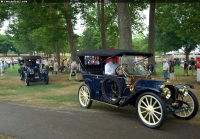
[153, 99]
[30, 70]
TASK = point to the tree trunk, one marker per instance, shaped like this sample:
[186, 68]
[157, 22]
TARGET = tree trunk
[151, 41]
[70, 32]
[103, 26]
[57, 46]
[124, 25]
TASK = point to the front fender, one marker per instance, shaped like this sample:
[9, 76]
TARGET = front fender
[187, 85]
[132, 99]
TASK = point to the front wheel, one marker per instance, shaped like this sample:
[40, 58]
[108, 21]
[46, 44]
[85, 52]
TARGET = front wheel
[84, 96]
[26, 81]
[151, 110]
[187, 108]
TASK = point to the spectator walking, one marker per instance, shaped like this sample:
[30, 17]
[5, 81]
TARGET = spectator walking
[73, 69]
[186, 66]
[171, 71]
[165, 69]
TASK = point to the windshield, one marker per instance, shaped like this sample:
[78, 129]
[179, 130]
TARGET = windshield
[136, 65]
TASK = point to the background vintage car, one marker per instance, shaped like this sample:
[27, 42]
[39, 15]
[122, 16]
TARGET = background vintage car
[30, 70]
[133, 85]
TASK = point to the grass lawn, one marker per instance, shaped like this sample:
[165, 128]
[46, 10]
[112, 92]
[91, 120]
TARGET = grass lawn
[62, 93]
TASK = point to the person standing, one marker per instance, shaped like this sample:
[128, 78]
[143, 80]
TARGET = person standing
[2, 68]
[171, 71]
[55, 68]
[165, 69]
[43, 63]
[186, 68]
[192, 65]
[150, 68]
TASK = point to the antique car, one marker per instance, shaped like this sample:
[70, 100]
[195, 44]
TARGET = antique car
[30, 71]
[153, 99]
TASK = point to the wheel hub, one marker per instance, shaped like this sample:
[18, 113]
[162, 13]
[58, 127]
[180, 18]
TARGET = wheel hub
[150, 109]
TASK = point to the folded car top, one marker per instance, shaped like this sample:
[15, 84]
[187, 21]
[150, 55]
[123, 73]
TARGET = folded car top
[29, 57]
[109, 52]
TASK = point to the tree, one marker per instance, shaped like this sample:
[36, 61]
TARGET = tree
[181, 26]
[71, 37]
[125, 33]
[151, 41]
[5, 44]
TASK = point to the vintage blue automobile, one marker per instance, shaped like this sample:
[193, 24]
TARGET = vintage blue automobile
[133, 85]
[30, 71]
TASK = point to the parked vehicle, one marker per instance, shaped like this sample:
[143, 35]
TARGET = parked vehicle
[29, 70]
[153, 99]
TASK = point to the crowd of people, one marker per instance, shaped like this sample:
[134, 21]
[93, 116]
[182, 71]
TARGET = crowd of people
[72, 66]
[6, 63]
[168, 67]
[65, 64]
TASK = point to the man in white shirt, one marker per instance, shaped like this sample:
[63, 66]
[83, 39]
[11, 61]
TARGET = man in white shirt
[165, 69]
[111, 66]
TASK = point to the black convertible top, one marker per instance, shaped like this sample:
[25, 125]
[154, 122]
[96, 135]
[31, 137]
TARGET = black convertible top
[29, 57]
[109, 52]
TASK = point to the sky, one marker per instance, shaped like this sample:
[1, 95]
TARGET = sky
[5, 26]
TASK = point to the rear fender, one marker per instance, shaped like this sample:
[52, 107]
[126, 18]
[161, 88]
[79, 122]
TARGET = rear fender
[89, 83]
[132, 99]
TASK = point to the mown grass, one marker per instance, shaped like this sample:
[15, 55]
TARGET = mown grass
[60, 92]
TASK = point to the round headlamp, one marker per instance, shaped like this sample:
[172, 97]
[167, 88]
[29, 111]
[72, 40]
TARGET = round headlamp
[184, 91]
[167, 93]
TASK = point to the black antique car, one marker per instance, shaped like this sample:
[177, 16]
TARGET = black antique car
[153, 99]
[30, 71]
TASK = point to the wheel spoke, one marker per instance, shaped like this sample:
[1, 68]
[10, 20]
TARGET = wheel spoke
[147, 100]
[154, 103]
[149, 120]
[158, 112]
[146, 116]
[153, 118]
[144, 103]
[156, 116]
[151, 101]
[143, 107]
[157, 108]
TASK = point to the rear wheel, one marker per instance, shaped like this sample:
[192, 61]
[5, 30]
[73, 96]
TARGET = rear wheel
[84, 96]
[188, 107]
[151, 110]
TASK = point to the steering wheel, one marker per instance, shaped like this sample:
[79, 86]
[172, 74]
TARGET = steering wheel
[118, 70]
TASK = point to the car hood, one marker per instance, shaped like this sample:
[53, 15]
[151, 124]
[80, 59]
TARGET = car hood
[147, 83]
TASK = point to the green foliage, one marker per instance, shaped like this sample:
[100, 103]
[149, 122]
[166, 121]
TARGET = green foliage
[5, 44]
[89, 13]
[177, 26]
[37, 26]
[140, 43]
